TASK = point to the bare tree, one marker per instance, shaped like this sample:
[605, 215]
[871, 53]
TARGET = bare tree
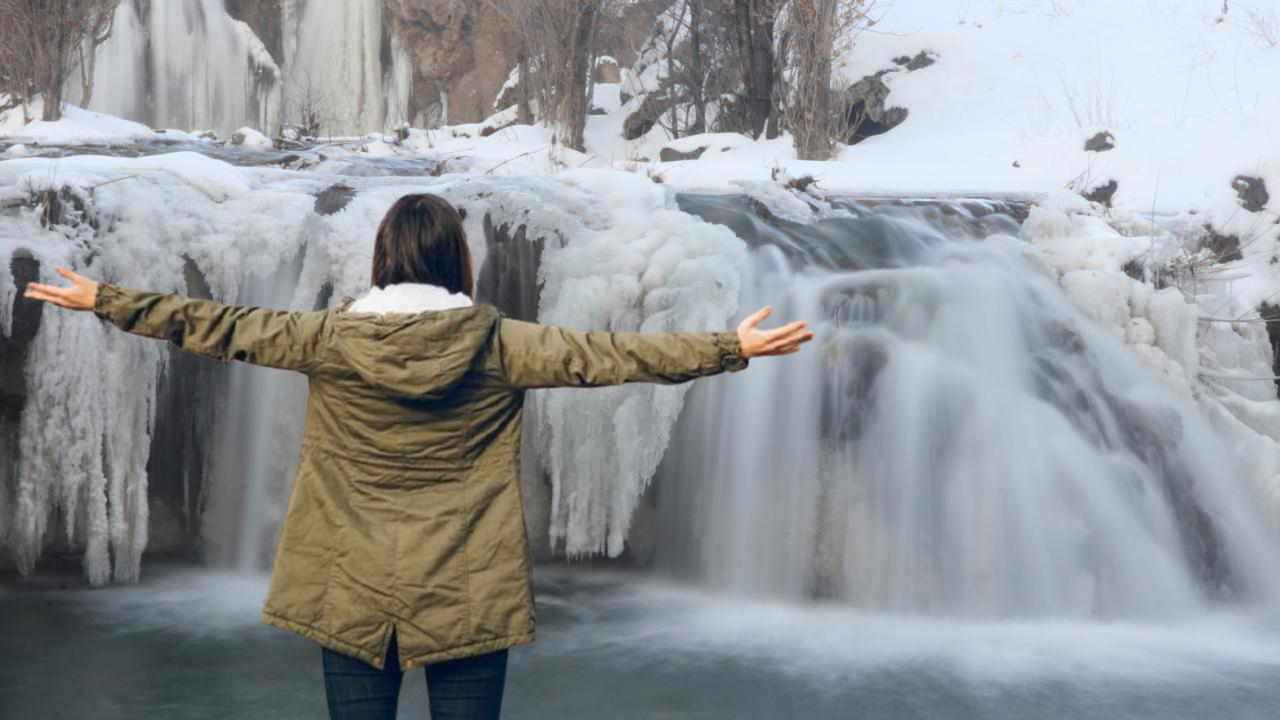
[557, 49]
[815, 33]
[308, 109]
[41, 41]
[708, 82]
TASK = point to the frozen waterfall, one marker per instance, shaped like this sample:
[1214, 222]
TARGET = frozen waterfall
[188, 64]
[961, 439]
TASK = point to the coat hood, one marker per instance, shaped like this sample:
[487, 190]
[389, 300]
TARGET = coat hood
[413, 343]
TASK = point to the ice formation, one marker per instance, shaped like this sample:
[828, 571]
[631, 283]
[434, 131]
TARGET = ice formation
[620, 256]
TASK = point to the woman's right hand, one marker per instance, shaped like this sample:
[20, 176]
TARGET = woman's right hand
[781, 341]
[82, 294]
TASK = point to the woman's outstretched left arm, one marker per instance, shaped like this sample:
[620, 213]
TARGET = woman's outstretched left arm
[274, 338]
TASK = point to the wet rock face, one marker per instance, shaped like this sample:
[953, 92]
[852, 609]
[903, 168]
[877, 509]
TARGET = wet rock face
[1252, 192]
[1271, 315]
[266, 20]
[456, 52]
[333, 199]
[508, 277]
[13, 391]
[13, 349]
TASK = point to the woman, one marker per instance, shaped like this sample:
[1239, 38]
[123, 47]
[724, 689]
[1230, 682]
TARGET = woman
[404, 544]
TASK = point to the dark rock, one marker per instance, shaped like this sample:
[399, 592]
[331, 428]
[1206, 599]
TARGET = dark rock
[13, 348]
[488, 130]
[643, 118]
[508, 277]
[867, 114]
[608, 71]
[334, 198]
[1103, 193]
[672, 155]
[266, 19]
[922, 59]
[1134, 269]
[1252, 191]
[1101, 142]
[1017, 164]
[802, 183]
[1225, 248]
[1270, 314]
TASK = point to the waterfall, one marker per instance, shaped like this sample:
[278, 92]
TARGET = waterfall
[188, 64]
[185, 64]
[962, 441]
[351, 66]
[255, 445]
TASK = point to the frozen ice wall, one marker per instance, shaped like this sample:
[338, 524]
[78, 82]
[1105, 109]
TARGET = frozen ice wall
[619, 256]
[185, 64]
[188, 64]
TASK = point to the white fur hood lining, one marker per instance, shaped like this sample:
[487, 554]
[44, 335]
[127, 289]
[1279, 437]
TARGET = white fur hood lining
[408, 298]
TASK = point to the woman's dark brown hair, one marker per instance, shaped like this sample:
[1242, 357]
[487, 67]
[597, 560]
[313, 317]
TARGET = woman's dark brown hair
[421, 240]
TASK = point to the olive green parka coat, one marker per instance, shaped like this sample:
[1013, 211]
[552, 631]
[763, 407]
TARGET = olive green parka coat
[406, 511]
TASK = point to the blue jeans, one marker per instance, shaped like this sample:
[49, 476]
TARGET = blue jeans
[468, 688]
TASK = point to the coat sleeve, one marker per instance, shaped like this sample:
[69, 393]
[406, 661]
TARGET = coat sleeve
[538, 356]
[261, 336]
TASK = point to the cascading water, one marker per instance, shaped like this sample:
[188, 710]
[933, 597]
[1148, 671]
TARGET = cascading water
[963, 442]
[255, 444]
[960, 440]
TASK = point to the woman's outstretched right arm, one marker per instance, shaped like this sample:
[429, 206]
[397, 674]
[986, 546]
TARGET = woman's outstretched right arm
[535, 356]
[261, 336]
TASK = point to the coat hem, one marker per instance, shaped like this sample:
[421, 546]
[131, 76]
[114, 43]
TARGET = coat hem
[332, 642]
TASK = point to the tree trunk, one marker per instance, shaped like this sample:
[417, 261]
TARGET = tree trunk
[55, 75]
[524, 113]
[697, 73]
[810, 115]
[573, 107]
[754, 22]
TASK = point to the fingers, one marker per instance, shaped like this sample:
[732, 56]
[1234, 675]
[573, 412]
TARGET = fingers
[757, 317]
[68, 274]
[789, 343]
[786, 330]
[47, 293]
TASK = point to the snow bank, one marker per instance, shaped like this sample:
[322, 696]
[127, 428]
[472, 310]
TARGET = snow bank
[78, 127]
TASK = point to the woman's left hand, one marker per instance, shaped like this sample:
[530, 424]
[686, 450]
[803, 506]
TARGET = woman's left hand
[80, 296]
